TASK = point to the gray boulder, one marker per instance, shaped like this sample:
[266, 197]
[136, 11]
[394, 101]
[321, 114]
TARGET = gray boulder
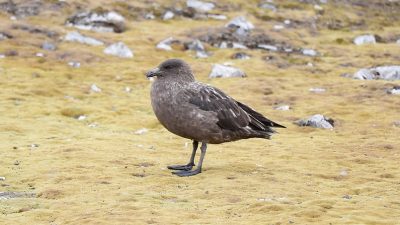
[365, 39]
[317, 121]
[223, 71]
[200, 5]
[379, 73]
[101, 22]
[75, 36]
[119, 49]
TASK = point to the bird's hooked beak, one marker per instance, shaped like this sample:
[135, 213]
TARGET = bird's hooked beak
[153, 73]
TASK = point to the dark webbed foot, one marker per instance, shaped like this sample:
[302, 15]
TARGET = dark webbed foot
[189, 166]
[186, 173]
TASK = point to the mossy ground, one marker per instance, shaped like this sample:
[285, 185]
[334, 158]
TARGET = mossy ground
[109, 175]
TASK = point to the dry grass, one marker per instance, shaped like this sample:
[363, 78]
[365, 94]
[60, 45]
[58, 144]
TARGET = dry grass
[108, 175]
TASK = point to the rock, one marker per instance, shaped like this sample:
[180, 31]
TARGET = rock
[49, 46]
[396, 123]
[141, 131]
[119, 49]
[74, 64]
[317, 121]
[279, 27]
[128, 89]
[75, 36]
[240, 22]
[268, 47]
[200, 5]
[98, 21]
[22, 8]
[268, 6]
[149, 16]
[81, 117]
[223, 71]
[12, 194]
[394, 91]
[365, 39]
[5, 36]
[35, 30]
[168, 15]
[2, 178]
[238, 46]
[217, 16]
[309, 52]
[95, 89]
[197, 46]
[317, 90]
[343, 173]
[166, 44]
[282, 108]
[240, 55]
[398, 41]
[379, 73]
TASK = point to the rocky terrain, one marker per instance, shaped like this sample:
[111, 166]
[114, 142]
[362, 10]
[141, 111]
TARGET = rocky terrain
[80, 143]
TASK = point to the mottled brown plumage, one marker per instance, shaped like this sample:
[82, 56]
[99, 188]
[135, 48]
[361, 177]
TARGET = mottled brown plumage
[200, 112]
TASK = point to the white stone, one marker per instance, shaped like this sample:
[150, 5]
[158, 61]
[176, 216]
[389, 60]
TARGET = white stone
[279, 27]
[82, 117]
[200, 5]
[165, 44]
[317, 90]
[365, 39]
[75, 36]
[141, 131]
[240, 22]
[309, 52]
[223, 71]
[377, 73]
[318, 121]
[2, 178]
[268, 47]
[282, 108]
[168, 15]
[74, 64]
[119, 49]
[95, 89]
[217, 16]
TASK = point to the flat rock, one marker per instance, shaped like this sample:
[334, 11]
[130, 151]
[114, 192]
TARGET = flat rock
[200, 5]
[49, 46]
[223, 71]
[119, 49]
[317, 121]
[394, 91]
[378, 73]
[240, 55]
[240, 22]
[12, 194]
[282, 108]
[168, 15]
[365, 39]
[309, 52]
[98, 21]
[198, 47]
[75, 36]
[166, 44]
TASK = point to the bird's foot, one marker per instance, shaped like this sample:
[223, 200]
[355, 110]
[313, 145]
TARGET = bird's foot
[187, 167]
[186, 173]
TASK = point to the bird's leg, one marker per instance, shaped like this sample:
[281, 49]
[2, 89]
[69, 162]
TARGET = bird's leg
[190, 165]
[186, 173]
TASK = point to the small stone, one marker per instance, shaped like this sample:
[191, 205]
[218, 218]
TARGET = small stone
[39, 54]
[282, 108]
[74, 64]
[95, 89]
[217, 16]
[16, 163]
[81, 117]
[48, 46]
[223, 71]
[141, 131]
[318, 8]
[317, 121]
[394, 91]
[365, 39]
[119, 49]
[168, 15]
[268, 47]
[240, 22]
[268, 6]
[77, 37]
[2, 178]
[398, 41]
[287, 22]
[343, 173]
[317, 90]
[396, 123]
[128, 89]
[93, 125]
[240, 55]
[309, 52]
[149, 16]
[200, 5]
[197, 46]
[34, 145]
[236, 45]
[98, 21]
[166, 44]
[279, 27]
[348, 197]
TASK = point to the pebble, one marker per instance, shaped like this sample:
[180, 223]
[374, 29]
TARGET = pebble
[168, 15]
[119, 49]
[224, 71]
[74, 64]
[48, 46]
[364, 39]
[2, 178]
[141, 131]
[317, 90]
[165, 44]
[95, 89]
[282, 107]
[309, 52]
[317, 121]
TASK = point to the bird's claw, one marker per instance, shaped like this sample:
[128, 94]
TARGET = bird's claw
[185, 173]
[181, 167]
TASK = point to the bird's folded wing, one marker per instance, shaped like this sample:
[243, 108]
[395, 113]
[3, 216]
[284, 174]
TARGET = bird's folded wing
[230, 116]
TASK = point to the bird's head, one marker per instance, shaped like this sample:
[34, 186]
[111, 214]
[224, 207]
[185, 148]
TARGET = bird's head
[175, 69]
